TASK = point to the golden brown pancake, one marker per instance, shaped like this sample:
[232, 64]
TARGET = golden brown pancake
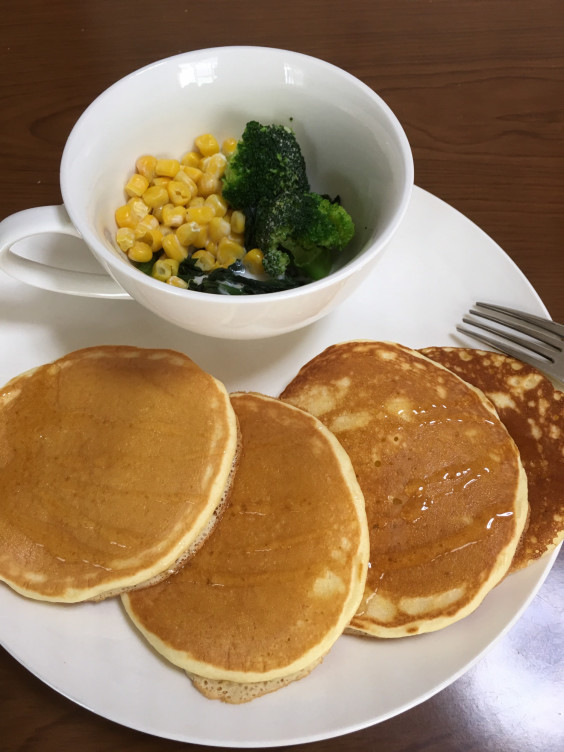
[532, 410]
[113, 464]
[444, 487]
[281, 575]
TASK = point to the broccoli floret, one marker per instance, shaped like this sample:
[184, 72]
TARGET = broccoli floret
[308, 226]
[267, 161]
[275, 262]
[299, 232]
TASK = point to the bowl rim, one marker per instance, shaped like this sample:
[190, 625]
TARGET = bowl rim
[340, 275]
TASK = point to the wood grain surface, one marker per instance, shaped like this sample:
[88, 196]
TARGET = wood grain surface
[479, 88]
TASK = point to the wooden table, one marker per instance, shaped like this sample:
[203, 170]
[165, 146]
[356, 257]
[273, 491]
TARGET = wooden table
[479, 88]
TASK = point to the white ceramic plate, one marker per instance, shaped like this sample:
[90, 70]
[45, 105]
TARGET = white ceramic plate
[437, 266]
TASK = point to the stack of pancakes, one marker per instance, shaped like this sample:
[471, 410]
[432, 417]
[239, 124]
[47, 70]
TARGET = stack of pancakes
[116, 466]
[381, 494]
[445, 490]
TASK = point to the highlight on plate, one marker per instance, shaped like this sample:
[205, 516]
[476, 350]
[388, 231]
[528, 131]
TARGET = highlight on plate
[235, 219]
[381, 494]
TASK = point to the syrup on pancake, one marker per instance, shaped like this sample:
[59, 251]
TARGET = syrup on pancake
[444, 487]
[533, 412]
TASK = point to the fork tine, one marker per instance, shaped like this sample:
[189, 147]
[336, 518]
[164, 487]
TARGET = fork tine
[547, 324]
[505, 348]
[522, 327]
[536, 347]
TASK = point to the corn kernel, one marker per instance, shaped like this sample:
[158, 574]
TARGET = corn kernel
[177, 282]
[191, 159]
[188, 233]
[145, 166]
[197, 201]
[173, 248]
[202, 238]
[140, 252]
[165, 230]
[165, 268]
[156, 195]
[138, 207]
[229, 146]
[211, 247]
[172, 263]
[125, 238]
[193, 173]
[228, 252]
[204, 260]
[161, 180]
[226, 258]
[167, 167]
[161, 270]
[237, 237]
[216, 165]
[207, 144]
[179, 193]
[153, 238]
[136, 185]
[217, 203]
[149, 222]
[208, 184]
[218, 228]
[253, 261]
[182, 176]
[238, 222]
[173, 216]
[126, 217]
[200, 214]
[141, 232]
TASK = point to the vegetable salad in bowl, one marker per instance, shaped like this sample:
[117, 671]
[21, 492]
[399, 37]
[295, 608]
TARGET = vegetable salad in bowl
[233, 219]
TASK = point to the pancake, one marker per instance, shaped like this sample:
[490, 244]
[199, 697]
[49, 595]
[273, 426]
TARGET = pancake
[445, 491]
[532, 410]
[237, 693]
[283, 572]
[114, 462]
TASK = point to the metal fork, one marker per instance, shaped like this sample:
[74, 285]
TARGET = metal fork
[543, 348]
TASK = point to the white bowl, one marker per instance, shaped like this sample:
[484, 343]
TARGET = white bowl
[353, 145]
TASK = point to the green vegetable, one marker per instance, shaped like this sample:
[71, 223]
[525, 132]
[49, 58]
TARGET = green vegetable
[233, 280]
[299, 232]
[267, 161]
[310, 227]
[275, 262]
[144, 266]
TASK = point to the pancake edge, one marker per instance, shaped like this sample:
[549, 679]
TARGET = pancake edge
[237, 693]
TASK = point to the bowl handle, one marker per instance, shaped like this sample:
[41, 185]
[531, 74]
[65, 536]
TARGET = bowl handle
[44, 219]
